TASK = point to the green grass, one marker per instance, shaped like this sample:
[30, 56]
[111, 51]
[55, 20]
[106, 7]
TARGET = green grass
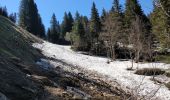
[163, 58]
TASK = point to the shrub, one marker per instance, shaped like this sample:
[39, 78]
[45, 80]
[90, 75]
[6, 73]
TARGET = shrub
[168, 74]
[168, 85]
[150, 71]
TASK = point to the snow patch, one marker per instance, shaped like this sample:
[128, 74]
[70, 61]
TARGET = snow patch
[115, 70]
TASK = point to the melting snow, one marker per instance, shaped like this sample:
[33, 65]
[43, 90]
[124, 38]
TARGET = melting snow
[115, 70]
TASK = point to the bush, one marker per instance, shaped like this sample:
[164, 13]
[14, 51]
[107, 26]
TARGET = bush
[163, 58]
[168, 85]
[168, 74]
[150, 71]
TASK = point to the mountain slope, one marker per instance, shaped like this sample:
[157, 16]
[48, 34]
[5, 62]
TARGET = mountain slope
[16, 42]
[15, 52]
[21, 78]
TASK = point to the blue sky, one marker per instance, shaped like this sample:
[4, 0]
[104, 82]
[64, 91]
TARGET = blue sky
[47, 7]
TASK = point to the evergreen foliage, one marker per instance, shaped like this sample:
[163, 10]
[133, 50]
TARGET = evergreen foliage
[30, 19]
[67, 24]
[95, 28]
[54, 30]
[161, 24]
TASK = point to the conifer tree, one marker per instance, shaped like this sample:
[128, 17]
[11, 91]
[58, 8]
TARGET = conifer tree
[48, 34]
[53, 32]
[95, 28]
[78, 32]
[13, 17]
[23, 15]
[41, 28]
[103, 16]
[134, 15]
[29, 17]
[64, 25]
[70, 22]
[132, 10]
[112, 28]
[4, 12]
[95, 24]
[160, 26]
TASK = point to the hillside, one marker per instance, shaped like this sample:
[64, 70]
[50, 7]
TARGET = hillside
[40, 70]
[16, 50]
[23, 76]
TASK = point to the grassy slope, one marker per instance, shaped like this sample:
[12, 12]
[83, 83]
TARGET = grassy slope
[15, 42]
[15, 48]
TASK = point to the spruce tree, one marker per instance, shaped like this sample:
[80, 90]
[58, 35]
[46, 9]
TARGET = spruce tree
[132, 10]
[64, 25]
[95, 24]
[3, 11]
[41, 28]
[13, 17]
[112, 30]
[23, 15]
[134, 15]
[29, 17]
[160, 28]
[78, 33]
[48, 34]
[103, 16]
[53, 32]
[70, 22]
[95, 28]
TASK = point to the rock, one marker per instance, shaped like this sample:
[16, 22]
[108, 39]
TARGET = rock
[78, 93]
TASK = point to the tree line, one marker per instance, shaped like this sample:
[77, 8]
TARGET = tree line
[117, 33]
[4, 12]
[127, 33]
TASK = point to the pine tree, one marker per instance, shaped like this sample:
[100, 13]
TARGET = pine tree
[64, 25]
[95, 24]
[4, 12]
[13, 17]
[23, 14]
[29, 18]
[67, 24]
[134, 15]
[53, 32]
[132, 10]
[77, 16]
[41, 28]
[95, 28]
[48, 34]
[70, 22]
[78, 33]
[118, 19]
[103, 16]
[112, 30]
[160, 27]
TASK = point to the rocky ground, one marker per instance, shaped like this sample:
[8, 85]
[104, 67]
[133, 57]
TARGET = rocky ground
[57, 83]
[67, 81]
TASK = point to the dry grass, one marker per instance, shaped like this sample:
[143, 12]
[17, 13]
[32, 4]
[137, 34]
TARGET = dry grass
[150, 71]
[16, 42]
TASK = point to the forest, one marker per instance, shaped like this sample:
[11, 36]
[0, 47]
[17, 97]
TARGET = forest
[118, 33]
